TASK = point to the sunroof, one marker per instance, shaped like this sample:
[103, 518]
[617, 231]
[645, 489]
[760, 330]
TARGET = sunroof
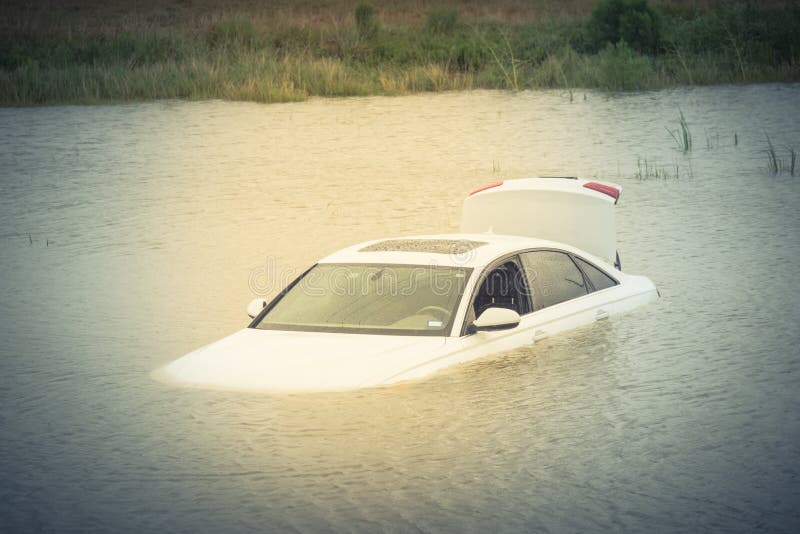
[431, 246]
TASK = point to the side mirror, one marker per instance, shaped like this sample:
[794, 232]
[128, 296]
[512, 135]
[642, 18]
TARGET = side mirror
[255, 307]
[496, 319]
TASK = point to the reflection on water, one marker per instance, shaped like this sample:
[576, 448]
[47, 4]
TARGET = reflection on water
[132, 234]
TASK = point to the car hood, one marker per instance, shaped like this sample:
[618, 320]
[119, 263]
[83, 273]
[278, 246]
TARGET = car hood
[275, 360]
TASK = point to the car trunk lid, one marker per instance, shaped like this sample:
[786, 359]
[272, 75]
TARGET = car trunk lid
[567, 210]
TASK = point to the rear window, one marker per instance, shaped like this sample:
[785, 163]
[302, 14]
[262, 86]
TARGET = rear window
[598, 278]
[552, 278]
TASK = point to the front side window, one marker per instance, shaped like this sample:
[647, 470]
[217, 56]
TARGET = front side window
[370, 299]
[502, 287]
[552, 278]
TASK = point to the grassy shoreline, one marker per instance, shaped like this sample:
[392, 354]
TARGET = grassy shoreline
[47, 57]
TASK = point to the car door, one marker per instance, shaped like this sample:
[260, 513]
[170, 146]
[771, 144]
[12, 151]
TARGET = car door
[549, 291]
[502, 285]
[563, 295]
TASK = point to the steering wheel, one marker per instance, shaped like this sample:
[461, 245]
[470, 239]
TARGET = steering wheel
[439, 311]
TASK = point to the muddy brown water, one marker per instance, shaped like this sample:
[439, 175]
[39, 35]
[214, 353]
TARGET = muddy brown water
[132, 234]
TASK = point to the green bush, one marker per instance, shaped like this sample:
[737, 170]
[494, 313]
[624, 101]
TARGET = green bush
[761, 34]
[620, 68]
[632, 21]
[366, 22]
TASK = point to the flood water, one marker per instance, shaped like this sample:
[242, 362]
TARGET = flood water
[132, 234]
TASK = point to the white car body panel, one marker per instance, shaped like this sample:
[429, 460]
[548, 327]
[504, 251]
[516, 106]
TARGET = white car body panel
[553, 209]
[534, 327]
[253, 359]
[275, 360]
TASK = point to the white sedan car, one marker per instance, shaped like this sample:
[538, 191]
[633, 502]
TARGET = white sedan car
[393, 310]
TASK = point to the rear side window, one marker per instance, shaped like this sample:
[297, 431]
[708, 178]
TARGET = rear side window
[552, 278]
[598, 278]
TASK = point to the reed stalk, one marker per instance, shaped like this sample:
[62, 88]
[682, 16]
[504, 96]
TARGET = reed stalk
[773, 163]
[682, 137]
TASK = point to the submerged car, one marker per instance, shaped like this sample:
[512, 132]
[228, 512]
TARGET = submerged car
[393, 310]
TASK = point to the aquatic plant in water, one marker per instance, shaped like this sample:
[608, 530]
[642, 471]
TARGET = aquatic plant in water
[646, 170]
[775, 164]
[682, 136]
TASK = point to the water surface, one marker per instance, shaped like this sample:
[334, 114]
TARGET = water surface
[133, 234]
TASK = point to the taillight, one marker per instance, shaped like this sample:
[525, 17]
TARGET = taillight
[613, 192]
[487, 186]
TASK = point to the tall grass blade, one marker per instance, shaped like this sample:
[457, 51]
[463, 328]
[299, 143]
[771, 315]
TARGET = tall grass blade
[511, 81]
[773, 163]
[682, 137]
[687, 135]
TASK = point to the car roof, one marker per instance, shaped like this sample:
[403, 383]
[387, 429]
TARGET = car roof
[455, 250]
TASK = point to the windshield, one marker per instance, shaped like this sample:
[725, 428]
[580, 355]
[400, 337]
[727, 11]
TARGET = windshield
[370, 299]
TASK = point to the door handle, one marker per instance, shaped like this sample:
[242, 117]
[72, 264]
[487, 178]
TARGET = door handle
[601, 314]
[538, 335]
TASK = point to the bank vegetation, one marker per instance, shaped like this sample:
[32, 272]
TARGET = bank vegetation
[276, 51]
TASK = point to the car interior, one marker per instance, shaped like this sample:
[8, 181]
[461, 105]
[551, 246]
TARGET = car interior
[503, 287]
